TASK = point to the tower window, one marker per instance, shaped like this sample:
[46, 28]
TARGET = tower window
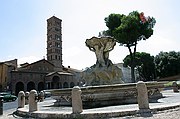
[50, 37]
[57, 29]
[57, 37]
[50, 45]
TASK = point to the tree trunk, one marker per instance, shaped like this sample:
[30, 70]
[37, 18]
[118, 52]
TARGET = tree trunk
[132, 75]
[132, 55]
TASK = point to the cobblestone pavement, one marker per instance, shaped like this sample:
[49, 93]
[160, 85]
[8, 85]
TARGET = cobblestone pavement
[167, 114]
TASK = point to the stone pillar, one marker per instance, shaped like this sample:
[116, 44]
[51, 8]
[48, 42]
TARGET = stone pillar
[33, 100]
[21, 99]
[142, 97]
[41, 96]
[76, 100]
[175, 87]
[26, 98]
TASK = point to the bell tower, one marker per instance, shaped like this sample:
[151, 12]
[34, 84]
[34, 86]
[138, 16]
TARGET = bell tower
[54, 42]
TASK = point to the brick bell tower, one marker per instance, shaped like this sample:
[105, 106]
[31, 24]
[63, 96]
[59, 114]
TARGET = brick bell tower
[54, 42]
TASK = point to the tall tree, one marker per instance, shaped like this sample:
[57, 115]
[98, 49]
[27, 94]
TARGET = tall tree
[128, 30]
[144, 63]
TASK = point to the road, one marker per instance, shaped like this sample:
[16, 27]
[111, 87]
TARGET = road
[10, 105]
[8, 109]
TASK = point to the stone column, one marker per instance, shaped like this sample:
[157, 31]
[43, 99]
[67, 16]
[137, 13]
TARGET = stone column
[33, 100]
[21, 99]
[142, 97]
[76, 100]
[175, 87]
[26, 98]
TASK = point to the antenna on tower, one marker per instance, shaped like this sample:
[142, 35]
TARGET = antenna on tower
[43, 57]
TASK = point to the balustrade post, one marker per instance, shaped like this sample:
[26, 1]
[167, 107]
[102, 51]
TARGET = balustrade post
[175, 87]
[41, 96]
[142, 97]
[33, 99]
[76, 100]
[21, 99]
[26, 98]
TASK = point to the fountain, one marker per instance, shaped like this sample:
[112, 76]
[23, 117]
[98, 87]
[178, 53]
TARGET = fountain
[103, 84]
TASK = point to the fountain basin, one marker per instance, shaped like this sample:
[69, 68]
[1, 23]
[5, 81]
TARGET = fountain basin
[107, 95]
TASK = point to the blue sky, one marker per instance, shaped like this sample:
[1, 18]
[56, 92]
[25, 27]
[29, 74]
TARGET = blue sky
[23, 28]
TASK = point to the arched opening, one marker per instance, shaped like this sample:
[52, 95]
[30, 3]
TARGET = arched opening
[55, 82]
[40, 86]
[19, 87]
[72, 84]
[30, 86]
[65, 85]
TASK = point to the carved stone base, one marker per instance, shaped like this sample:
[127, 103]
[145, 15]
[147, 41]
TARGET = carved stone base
[106, 75]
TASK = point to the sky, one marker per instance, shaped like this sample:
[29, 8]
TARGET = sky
[23, 28]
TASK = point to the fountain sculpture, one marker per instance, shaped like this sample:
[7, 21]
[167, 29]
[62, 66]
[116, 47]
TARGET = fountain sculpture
[104, 72]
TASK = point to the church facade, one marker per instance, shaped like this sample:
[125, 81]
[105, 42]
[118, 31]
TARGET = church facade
[46, 74]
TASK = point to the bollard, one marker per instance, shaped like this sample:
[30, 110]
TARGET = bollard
[76, 100]
[26, 98]
[1, 106]
[175, 87]
[41, 96]
[142, 97]
[21, 99]
[33, 100]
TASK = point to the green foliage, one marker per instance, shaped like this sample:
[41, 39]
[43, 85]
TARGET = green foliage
[128, 30]
[144, 63]
[112, 22]
[167, 64]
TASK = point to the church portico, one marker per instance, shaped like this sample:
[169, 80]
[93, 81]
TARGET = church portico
[59, 80]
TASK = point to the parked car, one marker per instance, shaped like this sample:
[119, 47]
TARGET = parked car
[7, 97]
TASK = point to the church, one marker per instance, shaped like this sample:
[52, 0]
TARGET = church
[46, 74]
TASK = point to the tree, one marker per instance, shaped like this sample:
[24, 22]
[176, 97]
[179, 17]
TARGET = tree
[128, 30]
[144, 63]
[167, 64]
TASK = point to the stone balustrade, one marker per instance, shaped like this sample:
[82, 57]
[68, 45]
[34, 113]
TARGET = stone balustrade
[76, 93]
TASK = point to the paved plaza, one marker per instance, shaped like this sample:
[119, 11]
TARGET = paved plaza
[166, 108]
